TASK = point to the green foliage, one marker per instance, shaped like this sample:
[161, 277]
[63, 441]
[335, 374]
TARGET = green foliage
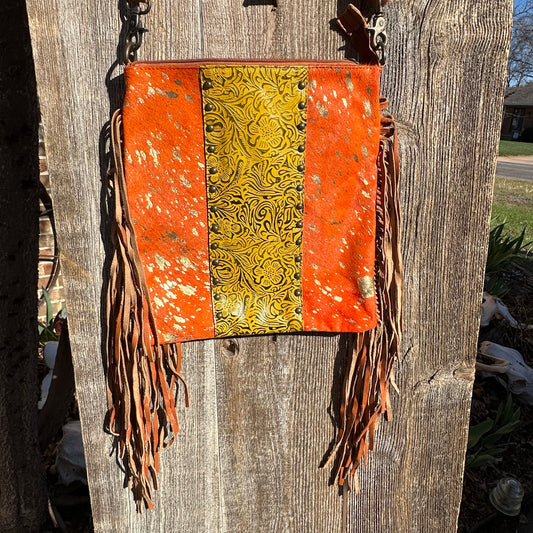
[516, 218]
[46, 330]
[503, 250]
[484, 439]
[513, 203]
[510, 148]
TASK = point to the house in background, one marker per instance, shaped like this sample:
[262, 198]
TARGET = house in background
[517, 111]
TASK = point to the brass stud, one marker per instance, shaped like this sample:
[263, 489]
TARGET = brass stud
[214, 246]
[208, 107]
[299, 206]
[300, 126]
[208, 84]
[215, 228]
[211, 149]
[212, 189]
[300, 168]
[216, 297]
[299, 188]
[213, 170]
[219, 315]
[301, 85]
[297, 275]
[213, 209]
[301, 148]
[301, 106]
[298, 258]
[298, 241]
[298, 292]
[298, 310]
[216, 262]
[209, 128]
[299, 224]
[216, 281]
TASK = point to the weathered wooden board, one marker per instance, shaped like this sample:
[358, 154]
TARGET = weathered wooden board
[247, 457]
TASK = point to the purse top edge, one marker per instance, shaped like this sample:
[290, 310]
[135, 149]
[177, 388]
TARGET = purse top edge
[196, 63]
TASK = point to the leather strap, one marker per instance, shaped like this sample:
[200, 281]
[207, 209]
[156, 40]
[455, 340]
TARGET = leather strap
[355, 26]
[352, 22]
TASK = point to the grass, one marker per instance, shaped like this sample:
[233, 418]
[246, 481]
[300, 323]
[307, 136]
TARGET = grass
[515, 148]
[513, 204]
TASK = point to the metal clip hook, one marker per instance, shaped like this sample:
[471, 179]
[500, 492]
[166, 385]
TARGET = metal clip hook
[135, 32]
[377, 28]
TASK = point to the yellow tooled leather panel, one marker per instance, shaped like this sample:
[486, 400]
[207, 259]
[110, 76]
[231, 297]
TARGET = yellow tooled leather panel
[255, 122]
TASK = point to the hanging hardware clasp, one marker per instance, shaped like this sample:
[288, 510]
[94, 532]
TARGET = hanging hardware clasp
[377, 24]
[135, 30]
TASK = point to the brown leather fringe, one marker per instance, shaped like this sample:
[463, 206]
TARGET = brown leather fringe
[141, 374]
[368, 376]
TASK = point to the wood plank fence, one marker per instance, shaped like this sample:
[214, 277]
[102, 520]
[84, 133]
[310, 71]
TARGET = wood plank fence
[247, 457]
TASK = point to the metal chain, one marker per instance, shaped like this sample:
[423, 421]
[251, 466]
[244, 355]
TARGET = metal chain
[135, 30]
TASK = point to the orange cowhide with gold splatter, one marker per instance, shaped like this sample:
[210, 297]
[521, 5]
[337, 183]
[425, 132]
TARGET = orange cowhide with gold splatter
[267, 223]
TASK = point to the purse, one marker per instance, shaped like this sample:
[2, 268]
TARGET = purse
[251, 197]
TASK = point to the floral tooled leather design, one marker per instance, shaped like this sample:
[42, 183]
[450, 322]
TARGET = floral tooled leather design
[255, 122]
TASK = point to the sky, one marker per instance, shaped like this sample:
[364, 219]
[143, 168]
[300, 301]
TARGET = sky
[518, 3]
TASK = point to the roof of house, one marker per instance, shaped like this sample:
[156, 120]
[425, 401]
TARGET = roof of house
[519, 96]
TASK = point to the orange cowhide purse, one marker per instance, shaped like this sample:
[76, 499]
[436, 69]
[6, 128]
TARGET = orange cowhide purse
[251, 197]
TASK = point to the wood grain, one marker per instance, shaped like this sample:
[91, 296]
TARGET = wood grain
[248, 454]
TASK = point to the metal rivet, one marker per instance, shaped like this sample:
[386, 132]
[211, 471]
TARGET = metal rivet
[216, 281]
[300, 126]
[301, 105]
[209, 128]
[212, 188]
[208, 107]
[211, 149]
[216, 262]
[300, 206]
[214, 246]
[213, 170]
[301, 85]
[298, 258]
[213, 209]
[298, 241]
[297, 275]
[299, 188]
[219, 315]
[216, 297]
[300, 168]
[298, 310]
[301, 148]
[298, 292]
[299, 224]
[208, 84]
[215, 228]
